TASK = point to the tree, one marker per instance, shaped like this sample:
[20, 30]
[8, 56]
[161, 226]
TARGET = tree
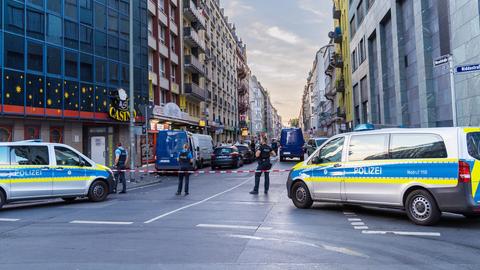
[293, 122]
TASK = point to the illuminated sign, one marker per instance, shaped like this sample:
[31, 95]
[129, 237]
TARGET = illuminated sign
[119, 107]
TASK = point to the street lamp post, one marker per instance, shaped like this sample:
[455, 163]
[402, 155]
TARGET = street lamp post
[132, 97]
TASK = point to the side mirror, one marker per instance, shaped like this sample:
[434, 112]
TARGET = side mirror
[317, 160]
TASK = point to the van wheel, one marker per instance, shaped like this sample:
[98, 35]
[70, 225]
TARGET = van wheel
[2, 199]
[422, 208]
[472, 216]
[98, 191]
[301, 196]
[69, 199]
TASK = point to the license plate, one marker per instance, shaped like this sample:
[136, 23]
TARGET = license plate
[222, 157]
[164, 161]
[286, 153]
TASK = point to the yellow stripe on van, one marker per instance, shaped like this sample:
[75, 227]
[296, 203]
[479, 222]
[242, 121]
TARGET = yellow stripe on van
[475, 180]
[45, 180]
[386, 180]
[471, 129]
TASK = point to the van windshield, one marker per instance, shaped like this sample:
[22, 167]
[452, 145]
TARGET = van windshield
[173, 143]
[473, 144]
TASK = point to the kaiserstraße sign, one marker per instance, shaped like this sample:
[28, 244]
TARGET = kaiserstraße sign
[467, 68]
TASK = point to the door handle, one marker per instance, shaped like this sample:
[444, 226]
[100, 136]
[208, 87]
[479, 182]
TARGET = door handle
[59, 169]
[45, 168]
[338, 165]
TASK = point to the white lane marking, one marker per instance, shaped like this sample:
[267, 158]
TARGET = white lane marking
[360, 227]
[9, 219]
[225, 226]
[101, 222]
[354, 219]
[196, 203]
[342, 250]
[349, 213]
[358, 224]
[145, 186]
[403, 233]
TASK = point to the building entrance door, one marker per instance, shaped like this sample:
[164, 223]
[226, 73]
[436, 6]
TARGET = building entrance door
[98, 149]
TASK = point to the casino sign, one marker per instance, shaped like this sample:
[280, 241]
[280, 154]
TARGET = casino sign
[119, 107]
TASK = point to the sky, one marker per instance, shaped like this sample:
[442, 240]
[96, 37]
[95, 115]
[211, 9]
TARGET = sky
[282, 37]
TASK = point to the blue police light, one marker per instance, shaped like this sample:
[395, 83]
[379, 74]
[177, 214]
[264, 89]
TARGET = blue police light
[364, 127]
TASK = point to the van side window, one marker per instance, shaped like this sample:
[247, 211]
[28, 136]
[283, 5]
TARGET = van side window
[368, 147]
[66, 157]
[332, 151]
[473, 144]
[414, 146]
[29, 155]
[4, 159]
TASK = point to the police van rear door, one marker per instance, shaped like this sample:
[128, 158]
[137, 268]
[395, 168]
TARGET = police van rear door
[32, 175]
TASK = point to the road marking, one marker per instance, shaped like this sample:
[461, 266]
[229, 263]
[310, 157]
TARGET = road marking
[196, 203]
[403, 233]
[101, 222]
[224, 226]
[354, 219]
[9, 219]
[360, 227]
[358, 224]
[349, 213]
[145, 186]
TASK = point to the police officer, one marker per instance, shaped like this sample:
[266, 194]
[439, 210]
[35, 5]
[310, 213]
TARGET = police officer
[274, 146]
[121, 158]
[263, 154]
[185, 160]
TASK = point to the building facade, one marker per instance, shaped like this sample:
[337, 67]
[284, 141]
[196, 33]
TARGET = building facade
[65, 72]
[257, 103]
[243, 77]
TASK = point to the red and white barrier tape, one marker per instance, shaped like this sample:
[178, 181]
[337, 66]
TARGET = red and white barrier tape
[202, 172]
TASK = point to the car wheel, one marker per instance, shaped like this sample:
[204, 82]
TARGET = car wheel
[98, 191]
[422, 208]
[301, 196]
[69, 199]
[2, 199]
[472, 216]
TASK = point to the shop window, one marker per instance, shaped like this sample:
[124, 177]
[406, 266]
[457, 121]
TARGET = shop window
[101, 99]
[71, 64]
[14, 91]
[35, 24]
[35, 56]
[54, 5]
[14, 51]
[86, 68]
[100, 17]
[56, 134]
[35, 91]
[14, 17]
[71, 34]
[54, 60]
[86, 12]
[54, 93]
[6, 134]
[86, 97]
[71, 96]
[100, 70]
[100, 43]
[32, 132]
[86, 39]
[54, 29]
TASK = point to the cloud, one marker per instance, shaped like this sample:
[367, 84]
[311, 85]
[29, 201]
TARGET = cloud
[236, 8]
[312, 7]
[282, 35]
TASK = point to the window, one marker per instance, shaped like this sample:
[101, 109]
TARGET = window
[332, 151]
[56, 134]
[54, 60]
[71, 64]
[86, 68]
[473, 144]
[125, 75]
[150, 60]
[113, 73]
[71, 9]
[36, 2]
[4, 158]
[162, 67]
[354, 60]
[55, 6]
[35, 24]
[368, 147]
[124, 7]
[353, 28]
[150, 25]
[112, 22]
[14, 17]
[29, 155]
[100, 17]
[101, 43]
[410, 146]
[124, 52]
[54, 29]
[67, 157]
[172, 42]
[113, 51]
[124, 27]
[174, 73]
[86, 39]
[14, 51]
[100, 71]
[163, 30]
[113, 4]
[363, 54]
[71, 34]
[32, 132]
[35, 56]
[5, 134]
[370, 3]
[360, 13]
[86, 14]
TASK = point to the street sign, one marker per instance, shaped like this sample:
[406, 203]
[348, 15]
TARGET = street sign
[442, 60]
[467, 68]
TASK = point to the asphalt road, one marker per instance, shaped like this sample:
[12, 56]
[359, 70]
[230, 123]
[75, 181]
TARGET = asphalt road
[221, 226]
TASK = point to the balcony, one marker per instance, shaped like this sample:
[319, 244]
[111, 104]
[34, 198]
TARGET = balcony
[162, 17]
[336, 61]
[151, 7]
[242, 107]
[336, 13]
[152, 76]
[340, 86]
[195, 91]
[164, 83]
[341, 112]
[152, 43]
[191, 37]
[194, 14]
[163, 50]
[174, 28]
[242, 71]
[174, 57]
[242, 88]
[193, 65]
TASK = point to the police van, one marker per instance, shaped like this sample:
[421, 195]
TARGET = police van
[424, 171]
[36, 170]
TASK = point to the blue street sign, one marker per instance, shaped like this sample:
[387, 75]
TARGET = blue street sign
[467, 68]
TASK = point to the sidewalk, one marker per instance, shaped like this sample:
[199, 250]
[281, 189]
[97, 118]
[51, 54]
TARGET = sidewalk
[144, 179]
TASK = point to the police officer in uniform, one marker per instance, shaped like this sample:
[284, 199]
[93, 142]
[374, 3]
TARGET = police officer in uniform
[121, 158]
[263, 154]
[185, 160]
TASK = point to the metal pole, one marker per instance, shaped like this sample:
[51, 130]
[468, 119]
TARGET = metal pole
[132, 97]
[146, 139]
[452, 90]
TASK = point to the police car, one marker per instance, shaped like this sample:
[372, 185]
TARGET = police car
[424, 171]
[35, 170]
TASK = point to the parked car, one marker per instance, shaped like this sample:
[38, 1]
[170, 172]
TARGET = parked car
[247, 153]
[291, 144]
[203, 149]
[313, 143]
[226, 156]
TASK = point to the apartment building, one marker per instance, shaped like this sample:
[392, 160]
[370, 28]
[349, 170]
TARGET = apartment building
[243, 77]
[221, 73]
[257, 102]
